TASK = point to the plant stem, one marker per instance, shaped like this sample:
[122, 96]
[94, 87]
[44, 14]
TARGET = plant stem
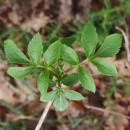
[107, 111]
[43, 116]
[71, 68]
[48, 68]
[85, 61]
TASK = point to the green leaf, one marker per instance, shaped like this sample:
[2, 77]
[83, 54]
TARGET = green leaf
[69, 55]
[111, 46]
[54, 39]
[50, 96]
[14, 54]
[20, 72]
[35, 48]
[52, 54]
[60, 103]
[42, 82]
[70, 80]
[86, 79]
[52, 83]
[105, 67]
[68, 40]
[72, 95]
[89, 39]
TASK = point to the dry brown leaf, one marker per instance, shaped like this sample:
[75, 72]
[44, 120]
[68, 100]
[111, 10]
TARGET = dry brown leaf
[2, 129]
[36, 22]
[75, 109]
[63, 127]
[14, 17]
[116, 122]
[65, 14]
[2, 67]
[10, 94]
[122, 67]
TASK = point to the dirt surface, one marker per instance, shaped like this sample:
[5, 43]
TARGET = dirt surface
[20, 108]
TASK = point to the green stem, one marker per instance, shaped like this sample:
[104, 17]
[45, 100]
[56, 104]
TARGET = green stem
[84, 61]
[40, 66]
[71, 68]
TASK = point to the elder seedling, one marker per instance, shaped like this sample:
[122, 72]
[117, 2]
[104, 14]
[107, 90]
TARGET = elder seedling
[55, 59]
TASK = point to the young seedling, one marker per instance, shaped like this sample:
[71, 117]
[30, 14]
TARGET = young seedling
[55, 59]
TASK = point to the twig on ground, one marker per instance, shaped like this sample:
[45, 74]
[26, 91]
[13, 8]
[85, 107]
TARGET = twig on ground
[126, 42]
[43, 116]
[23, 117]
[126, 45]
[106, 111]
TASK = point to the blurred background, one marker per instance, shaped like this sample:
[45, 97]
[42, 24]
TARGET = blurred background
[109, 107]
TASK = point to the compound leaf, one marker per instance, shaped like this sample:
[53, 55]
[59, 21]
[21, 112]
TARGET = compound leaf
[52, 54]
[86, 79]
[60, 103]
[111, 46]
[50, 96]
[69, 55]
[105, 67]
[20, 72]
[68, 40]
[14, 54]
[35, 48]
[72, 95]
[89, 39]
[70, 80]
[42, 82]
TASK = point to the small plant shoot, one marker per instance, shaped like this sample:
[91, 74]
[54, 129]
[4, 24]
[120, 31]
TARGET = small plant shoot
[55, 59]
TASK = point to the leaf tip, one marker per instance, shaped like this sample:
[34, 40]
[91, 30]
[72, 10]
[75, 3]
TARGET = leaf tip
[92, 90]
